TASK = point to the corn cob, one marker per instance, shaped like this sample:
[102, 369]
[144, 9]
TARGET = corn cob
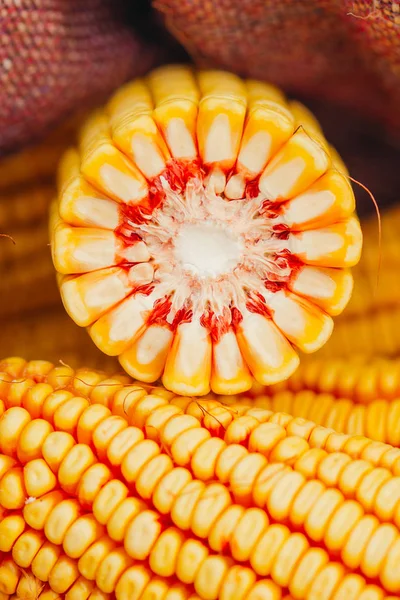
[103, 482]
[370, 324]
[204, 228]
[39, 162]
[377, 333]
[25, 206]
[360, 379]
[52, 333]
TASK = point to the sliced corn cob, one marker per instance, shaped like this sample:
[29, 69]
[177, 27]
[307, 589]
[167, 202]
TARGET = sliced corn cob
[125, 491]
[203, 230]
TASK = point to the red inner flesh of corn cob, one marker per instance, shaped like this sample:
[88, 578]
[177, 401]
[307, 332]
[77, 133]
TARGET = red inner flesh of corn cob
[220, 246]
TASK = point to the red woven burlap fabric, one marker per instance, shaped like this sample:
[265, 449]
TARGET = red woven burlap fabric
[344, 51]
[55, 54]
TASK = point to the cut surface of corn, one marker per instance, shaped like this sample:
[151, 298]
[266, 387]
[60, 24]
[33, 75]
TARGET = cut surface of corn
[203, 231]
[110, 490]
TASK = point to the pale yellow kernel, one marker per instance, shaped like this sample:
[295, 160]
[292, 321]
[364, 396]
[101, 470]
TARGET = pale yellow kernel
[151, 474]
[247, 533]
[191, 556]
[12, 423]
[64, 573]
[137, 458]
[122, 516]
[312, 563]
[205, 457]
[164, 554]
[142, 533]
[237, 584]
[89, 420]
[184, 505]
[210, 576]
[90, 561]
[224, 528]
[288, 559]
[81, 535]
[37, 511]
[169, 488]
[111, 569]
[32, 439]
[56, 446]
[185, 445]
[108, 500]
[267, 548]
[243, 476]
[12, 489]
[39, 479]
[60, 519]
[227, 460]
[122, 443]
[133, 583]
[106, 431]
[11, 528]
[45, 560]
[320, 514]
[283, 494]
[26, 547]
[80, 590]
[91, 483]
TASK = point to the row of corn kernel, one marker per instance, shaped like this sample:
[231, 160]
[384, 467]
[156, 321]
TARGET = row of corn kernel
[369, 334]
[154, 410]
[63, 525]
[379, 420]
[17, 583]
[24, 585]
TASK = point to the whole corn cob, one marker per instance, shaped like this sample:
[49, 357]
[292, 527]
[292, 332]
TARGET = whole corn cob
[204, 229]
[104, 486]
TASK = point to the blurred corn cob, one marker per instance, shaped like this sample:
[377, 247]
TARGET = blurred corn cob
[139, 492]
[38, 162]
[371, 323]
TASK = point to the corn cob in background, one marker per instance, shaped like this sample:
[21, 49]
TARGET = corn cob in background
[204, 228]
[357, 396]
[32, 318]
[371, 323]
[112, 489]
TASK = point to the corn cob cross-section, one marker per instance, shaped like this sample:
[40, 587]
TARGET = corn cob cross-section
[204, 230]
[109, 492]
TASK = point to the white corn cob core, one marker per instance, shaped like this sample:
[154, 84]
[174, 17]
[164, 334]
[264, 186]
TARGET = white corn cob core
[202, 234]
